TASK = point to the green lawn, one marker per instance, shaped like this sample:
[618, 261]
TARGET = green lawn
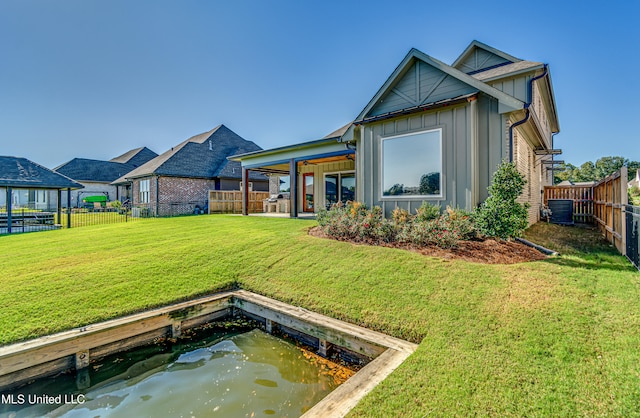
[560, 337]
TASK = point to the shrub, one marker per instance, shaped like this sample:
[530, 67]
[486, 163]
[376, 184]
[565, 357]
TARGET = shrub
[434, 232]
[427, 212]
[500, 215]
[461, 221]
[400, 216]
[355, 222]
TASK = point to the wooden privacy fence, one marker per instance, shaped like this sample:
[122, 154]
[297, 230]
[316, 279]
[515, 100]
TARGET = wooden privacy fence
[610, 200]
[604, 203]
[582, 197]
[223, 201]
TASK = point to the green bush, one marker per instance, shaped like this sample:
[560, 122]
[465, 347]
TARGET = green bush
[500, 215]
[354, 222]
[427, 212]
[438, 232]
[461, 221]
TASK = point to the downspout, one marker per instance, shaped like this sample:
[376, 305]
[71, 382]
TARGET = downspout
[527, 112]
[9, 208]
[157, 196]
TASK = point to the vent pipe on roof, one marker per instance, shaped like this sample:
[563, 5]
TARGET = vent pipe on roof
[210, 146]
[526, 111]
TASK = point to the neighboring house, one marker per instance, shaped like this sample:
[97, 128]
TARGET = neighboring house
[179, 180]
[433, 132]
[96, 176]
[27, 185]
[636, 181]
[577, 183]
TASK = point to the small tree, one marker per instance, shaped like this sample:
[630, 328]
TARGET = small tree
[500, 215]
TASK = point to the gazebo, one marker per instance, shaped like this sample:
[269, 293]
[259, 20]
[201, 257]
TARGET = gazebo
[21, 174]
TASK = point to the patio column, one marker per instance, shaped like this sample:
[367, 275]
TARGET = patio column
[9, 202]
[59, 206]
[293, 183]
[69, 208]
[245, 191]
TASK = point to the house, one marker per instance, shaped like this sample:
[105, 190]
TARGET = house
[576, 183]
[636, 181]
[96, 175]
[27, 185]
[178, 181]
[433, 132]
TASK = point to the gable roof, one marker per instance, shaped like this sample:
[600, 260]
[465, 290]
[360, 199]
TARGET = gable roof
[506, 103]
[84, 169]
[479, 57]
[136, 157]
[201, 156]
[22, 173]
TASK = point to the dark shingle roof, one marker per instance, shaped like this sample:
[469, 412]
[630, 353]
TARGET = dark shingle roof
[201, 156]
[22, 173]
[84, 169]
[135, 157]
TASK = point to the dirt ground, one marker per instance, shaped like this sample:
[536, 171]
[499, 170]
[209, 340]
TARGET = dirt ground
[487, 252]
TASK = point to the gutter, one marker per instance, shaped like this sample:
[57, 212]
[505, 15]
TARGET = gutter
[421, 108]
[527, 112]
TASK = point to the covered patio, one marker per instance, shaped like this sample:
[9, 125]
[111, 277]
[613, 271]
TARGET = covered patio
[21, 178]
[312, 174]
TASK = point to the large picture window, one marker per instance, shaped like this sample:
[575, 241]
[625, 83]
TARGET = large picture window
[144, 191]
[412, 164]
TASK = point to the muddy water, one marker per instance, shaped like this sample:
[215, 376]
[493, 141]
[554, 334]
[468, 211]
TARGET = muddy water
[251, 374]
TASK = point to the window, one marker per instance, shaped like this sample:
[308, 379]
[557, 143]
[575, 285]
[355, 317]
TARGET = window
[412, 165]
[339, 187]
[284, 184]
[144, 191]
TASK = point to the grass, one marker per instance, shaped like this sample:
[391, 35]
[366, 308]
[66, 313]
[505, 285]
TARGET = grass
[557, 337]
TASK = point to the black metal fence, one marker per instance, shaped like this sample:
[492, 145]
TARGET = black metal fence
[163, 210]
[78, 217]
[632, 230]
[26, 220]
[31, 220]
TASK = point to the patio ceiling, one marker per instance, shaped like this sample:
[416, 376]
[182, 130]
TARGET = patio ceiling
[283, 168]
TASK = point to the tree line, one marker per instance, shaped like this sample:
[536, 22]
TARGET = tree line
[591, 171]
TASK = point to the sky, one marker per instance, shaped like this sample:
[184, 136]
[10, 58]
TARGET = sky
[94, 79]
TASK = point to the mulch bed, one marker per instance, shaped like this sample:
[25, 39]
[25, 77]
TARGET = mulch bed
[489, 251]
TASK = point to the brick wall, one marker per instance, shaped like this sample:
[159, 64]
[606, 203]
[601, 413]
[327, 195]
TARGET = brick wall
[181, 189]
[525, 160]
[180, 195]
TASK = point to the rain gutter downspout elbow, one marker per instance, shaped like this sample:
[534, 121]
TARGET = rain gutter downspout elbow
[527, 112]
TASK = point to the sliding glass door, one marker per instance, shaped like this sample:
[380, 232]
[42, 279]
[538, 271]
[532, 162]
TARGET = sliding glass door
[339, 187]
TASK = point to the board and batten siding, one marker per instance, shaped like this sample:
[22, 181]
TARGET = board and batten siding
[421, 83]
[479, 60]
[319, 170]
[473, 145]
[493, 147]
[515, 86]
